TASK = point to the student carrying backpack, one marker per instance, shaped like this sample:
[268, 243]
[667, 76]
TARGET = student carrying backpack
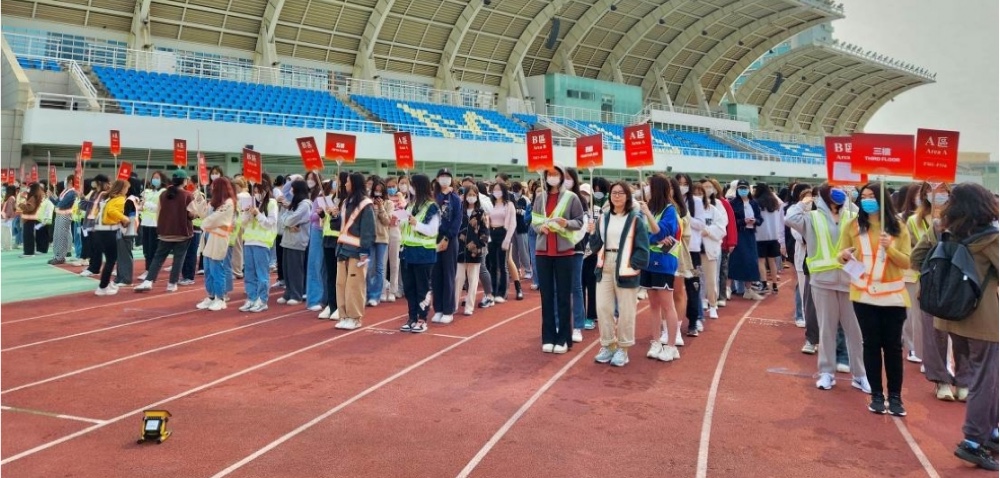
[950, 286]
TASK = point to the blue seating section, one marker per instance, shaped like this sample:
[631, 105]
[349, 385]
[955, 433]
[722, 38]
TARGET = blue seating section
[228, 101]
[812, 154]
[443, 121]
[38, 64]
[527, 119]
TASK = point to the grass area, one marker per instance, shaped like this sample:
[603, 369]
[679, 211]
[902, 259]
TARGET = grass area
[32, 278]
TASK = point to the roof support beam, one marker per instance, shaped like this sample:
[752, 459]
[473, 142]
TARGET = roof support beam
[139, 37]
[612, 67]
[766, 72]
[883, 91]
[859, 86]
[266, 55]
[364, 62]
[511, 83]
[863, 121]
[773, 99]
[807, 96]
[445, 79]
[562, 59]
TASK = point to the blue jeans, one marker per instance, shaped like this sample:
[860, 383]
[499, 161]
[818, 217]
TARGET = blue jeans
[376, 270]
[256, 268]
[316, 271]
[191, 259]
[532, 236]
[579, 308]
[15, 231]
[842, 357]
[227, 269]
[798, 305]
[215, 281]
[77, 240]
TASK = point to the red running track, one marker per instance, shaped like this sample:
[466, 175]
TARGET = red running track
[284, 394]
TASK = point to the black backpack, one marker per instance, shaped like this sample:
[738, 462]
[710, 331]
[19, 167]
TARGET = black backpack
[950, 287]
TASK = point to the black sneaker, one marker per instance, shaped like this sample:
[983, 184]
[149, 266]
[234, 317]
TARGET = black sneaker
[977, 456]
[896, 406]
[407, 327]
[692, 332]
[486, 303]
[774, 287]
[877, 404]
[991, 446]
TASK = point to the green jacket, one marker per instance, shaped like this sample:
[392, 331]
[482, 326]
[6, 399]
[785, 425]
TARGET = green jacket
[634, 245]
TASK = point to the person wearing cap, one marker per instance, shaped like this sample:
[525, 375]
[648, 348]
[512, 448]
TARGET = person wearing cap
[557, 217]
[174, 231]
[818, 219]
[743, 260]
[111, 219]
[443, 274]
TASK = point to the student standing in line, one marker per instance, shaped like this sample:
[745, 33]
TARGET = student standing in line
[621, 242]
[126, 241]
[420, 246]
[572, 184]
[175, 230]
[912, 328]
[277, 258]
[712, 236]
[829, 284]
[98, 191]
[357, 238]
[315, 270]
[383, 218]
[658, 277]
[684, 278]
[333, 197]
[502, 219]
[260, 226]
[111, 219]
[219, 216]
[878, 294]
[970, 215]
[397, 198]
[556, 216]
[485, 280]
[295, 240]
[64, 221]
[29, 218]
[443, 273]
[473, 240]
[728, 243]
[770, 237]
[149, 206]
[522, 206]
[743, 261]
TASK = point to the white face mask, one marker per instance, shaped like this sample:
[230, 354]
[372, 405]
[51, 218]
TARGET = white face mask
[930, 198]
[256, 197]
[698, 198]
[311, 183]
[710, 191]
[940, 199]
[553, 180]
[444, 181]
[498, 194]
[214, 177]
[472, 199]
[645, 191]
[917, 202]
[568, 184]
[412, 191]
[684, 189]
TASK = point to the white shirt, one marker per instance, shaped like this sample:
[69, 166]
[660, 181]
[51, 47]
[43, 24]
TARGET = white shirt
[613, 234]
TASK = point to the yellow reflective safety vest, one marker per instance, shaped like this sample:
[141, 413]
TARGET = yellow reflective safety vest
[412, 237]
[825, 258]
[255, 232]
[564, 200]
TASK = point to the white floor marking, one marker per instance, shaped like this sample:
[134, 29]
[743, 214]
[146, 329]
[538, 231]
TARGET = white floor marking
[924, 461]
[147, 296]
[49, 414]
[292, 434]
[103, 329]
[134, 413]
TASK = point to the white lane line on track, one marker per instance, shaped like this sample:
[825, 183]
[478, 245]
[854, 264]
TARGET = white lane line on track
[134, 413]
[147, 352]
[302, 428]
[50, 414]
[485, 450]
[101, 306]
[713, 392]
[103, 329]
[924, 461]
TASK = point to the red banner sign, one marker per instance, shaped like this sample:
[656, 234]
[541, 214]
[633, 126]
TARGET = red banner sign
[341, 147]
[404, 150]
[79, 173]
[5, 176]
[116, 142]
[936, 156]
[180, 152]
[34, 173]
[887, 154]
[202, 170]
[124, 170]
[53, 177]
[87, 151]
[310, 154]
[540, 150]
[252, 167]
[590, 151]
[838, 163]
[638, 146]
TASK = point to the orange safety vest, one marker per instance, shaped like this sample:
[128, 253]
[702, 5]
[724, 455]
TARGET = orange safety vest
[875, 260]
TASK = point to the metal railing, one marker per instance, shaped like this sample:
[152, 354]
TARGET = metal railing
[686, 110]
[81, 78]
[782, 137]
[419, 93]
[596, 116]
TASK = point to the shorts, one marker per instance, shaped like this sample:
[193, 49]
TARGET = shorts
[656, 280]
[768, 249]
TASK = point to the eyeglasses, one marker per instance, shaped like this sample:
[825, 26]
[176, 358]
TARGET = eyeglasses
[618, 193]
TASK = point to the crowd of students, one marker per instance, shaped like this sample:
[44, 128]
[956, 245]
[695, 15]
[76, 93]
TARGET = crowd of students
[592, 249]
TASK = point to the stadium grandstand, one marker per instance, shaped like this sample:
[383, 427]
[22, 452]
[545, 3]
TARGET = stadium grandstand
[730, 86]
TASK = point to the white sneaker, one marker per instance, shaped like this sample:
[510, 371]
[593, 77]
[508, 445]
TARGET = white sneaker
[560, 349]
[843, 368]
[217, 305]
[800, 323]
[548, 348]
[446, 319]
[171, 287]
[642, 295]
[247, 305]
[655, 347]
[721, 302]
[437, 318]
[390, 298]
[282, 301]
[704, 304]
[750, 294]
[143, 275]
[467, 311]
[348, 324]
[713, 312]
[809, 348]
[325, 314]
[912, 357]
[604, 355]
[669, 353]
[372, 303]
[826, 381]
[861, 383]
[259, 306]
[86, 273]
[106, 291]
[335, 315]
[316, 308]
[620, 358]
[204, 304]
[577, 335]
[499, 300]
[700, 325]
[680, 339]
[293, 302]
[145, 286]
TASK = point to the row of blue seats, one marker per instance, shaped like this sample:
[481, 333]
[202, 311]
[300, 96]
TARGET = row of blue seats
[38, 64]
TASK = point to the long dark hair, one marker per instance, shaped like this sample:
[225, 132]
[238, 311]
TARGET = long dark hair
[422, 190]
[562, 179]
[628, 196]
[899, 197]
[503, 193]
[572, 173]
[264, 187]
[677, 198]
[318, 189]
[378, 185]
[823, 191]
[357, 194]
[659, 192]
[912, 192]
[970, 209]
[222, 189]
[175, 185]
[765, 198]
[300, 192]
[891, 225]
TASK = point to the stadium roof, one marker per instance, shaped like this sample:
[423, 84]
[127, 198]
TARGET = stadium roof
[827, 88]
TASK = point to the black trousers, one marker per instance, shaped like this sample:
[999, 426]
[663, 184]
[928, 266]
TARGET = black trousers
[28, 236]
[107, 248]
[692, 287]
[555, 282]
[590, 285]
[92, 251]
[882, 336]
[416, 284]
[330, 261]
[149, 244]
[443, 279]
[43, 237]
[496, 262]
[809, 312]
[279, 252]
[177, 249]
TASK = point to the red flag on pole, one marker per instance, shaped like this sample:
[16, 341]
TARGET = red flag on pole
[638, 146]
[404, 150]
[180, 152]
[540, 155]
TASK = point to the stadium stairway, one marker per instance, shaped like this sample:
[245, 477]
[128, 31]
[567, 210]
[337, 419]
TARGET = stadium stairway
[111, 104]
[364, 113]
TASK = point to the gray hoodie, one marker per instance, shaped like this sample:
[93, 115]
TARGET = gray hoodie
[294, 226]
[800, 221]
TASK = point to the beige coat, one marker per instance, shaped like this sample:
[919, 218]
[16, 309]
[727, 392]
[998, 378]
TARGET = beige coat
[984, 323]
